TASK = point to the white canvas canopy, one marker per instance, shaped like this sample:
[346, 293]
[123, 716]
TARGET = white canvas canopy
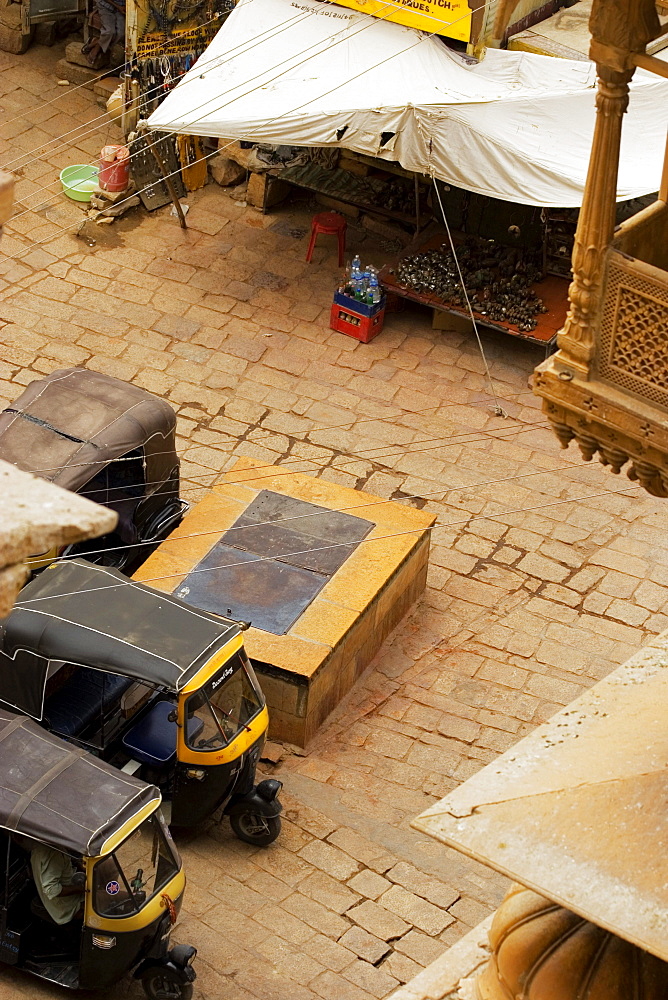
[516, 126]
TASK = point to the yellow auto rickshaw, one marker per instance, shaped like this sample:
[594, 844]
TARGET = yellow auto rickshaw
[154, 686]
[68, 818]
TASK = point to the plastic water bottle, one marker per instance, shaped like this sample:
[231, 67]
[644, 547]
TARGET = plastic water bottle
[354, 278]
[374, 294]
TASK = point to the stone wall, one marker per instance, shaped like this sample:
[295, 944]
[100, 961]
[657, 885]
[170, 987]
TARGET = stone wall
[452, 976]
[38, 516]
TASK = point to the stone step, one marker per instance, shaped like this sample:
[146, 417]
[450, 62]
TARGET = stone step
[75, 74]
[105, 88]
[73, 54]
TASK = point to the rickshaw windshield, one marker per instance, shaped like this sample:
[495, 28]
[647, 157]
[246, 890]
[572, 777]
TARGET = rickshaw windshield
[224, 706]
[145, 862]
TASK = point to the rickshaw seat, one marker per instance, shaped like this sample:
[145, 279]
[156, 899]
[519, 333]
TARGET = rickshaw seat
[81, 700]
[153, 739]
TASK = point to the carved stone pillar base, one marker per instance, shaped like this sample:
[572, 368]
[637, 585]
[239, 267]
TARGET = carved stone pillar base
[541, 951]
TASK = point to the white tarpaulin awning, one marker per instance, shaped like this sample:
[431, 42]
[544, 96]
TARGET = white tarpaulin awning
[516, 126]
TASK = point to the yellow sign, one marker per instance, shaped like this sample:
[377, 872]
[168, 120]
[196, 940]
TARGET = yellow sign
[451, 18]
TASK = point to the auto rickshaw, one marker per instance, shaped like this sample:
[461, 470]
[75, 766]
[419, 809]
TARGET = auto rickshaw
[106, 440]
[154, 686]
[63, 810]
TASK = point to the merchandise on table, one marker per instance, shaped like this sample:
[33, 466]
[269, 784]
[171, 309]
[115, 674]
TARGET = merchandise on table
[497, 279]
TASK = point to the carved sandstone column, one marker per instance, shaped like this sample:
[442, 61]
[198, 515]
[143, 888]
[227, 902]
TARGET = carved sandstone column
[596, 224]
[619, 28]
[542, 951]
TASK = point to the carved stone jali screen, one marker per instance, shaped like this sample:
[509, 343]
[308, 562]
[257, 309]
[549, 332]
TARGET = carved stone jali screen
[633, 335]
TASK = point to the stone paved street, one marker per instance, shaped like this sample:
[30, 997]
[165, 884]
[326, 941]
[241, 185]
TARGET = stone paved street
[545, 572]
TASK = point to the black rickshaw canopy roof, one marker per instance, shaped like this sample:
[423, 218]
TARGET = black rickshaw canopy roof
[77, 612]
[61, 795]
[68, 426]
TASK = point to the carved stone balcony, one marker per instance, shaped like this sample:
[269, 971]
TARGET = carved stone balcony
[618, 406]
[607, 385]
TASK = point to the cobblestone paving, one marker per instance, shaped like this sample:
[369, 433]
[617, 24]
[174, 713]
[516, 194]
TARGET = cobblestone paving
[542, 578]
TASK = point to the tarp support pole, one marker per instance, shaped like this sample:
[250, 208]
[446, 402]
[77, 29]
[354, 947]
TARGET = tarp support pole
[417, 205]
[170, 187]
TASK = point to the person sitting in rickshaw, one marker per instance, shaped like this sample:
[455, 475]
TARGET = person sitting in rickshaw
[53, 873]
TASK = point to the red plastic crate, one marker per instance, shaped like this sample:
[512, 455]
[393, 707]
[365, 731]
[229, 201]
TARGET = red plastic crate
[354, 324]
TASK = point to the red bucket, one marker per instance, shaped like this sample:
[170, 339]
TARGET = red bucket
[114, 168]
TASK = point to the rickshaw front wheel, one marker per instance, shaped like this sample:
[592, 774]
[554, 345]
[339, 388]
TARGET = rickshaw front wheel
[163, 983]
[256, 829]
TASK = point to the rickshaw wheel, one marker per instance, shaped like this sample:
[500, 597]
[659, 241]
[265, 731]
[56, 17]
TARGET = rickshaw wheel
[166, 984]
[256, 829]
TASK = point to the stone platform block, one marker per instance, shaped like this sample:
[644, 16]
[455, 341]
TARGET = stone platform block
[308, 670]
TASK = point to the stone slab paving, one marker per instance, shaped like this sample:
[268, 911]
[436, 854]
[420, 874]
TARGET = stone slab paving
[545, 572]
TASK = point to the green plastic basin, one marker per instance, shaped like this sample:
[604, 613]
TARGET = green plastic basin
[79, 181]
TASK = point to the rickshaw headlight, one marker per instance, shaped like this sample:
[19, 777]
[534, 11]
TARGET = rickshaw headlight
[195, 773]
[269, 789]
[182, 955]
[104, 941]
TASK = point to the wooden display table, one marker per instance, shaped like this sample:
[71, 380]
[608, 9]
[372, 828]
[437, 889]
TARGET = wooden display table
[552, 290]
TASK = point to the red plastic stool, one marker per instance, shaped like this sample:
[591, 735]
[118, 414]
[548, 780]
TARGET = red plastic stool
[329, 224]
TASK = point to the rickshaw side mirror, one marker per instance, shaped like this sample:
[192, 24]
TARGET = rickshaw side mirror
[173, 716]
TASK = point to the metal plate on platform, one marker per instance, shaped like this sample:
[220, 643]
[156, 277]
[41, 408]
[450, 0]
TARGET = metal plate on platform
[270, 594]
[273, 561]
[297, 532]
